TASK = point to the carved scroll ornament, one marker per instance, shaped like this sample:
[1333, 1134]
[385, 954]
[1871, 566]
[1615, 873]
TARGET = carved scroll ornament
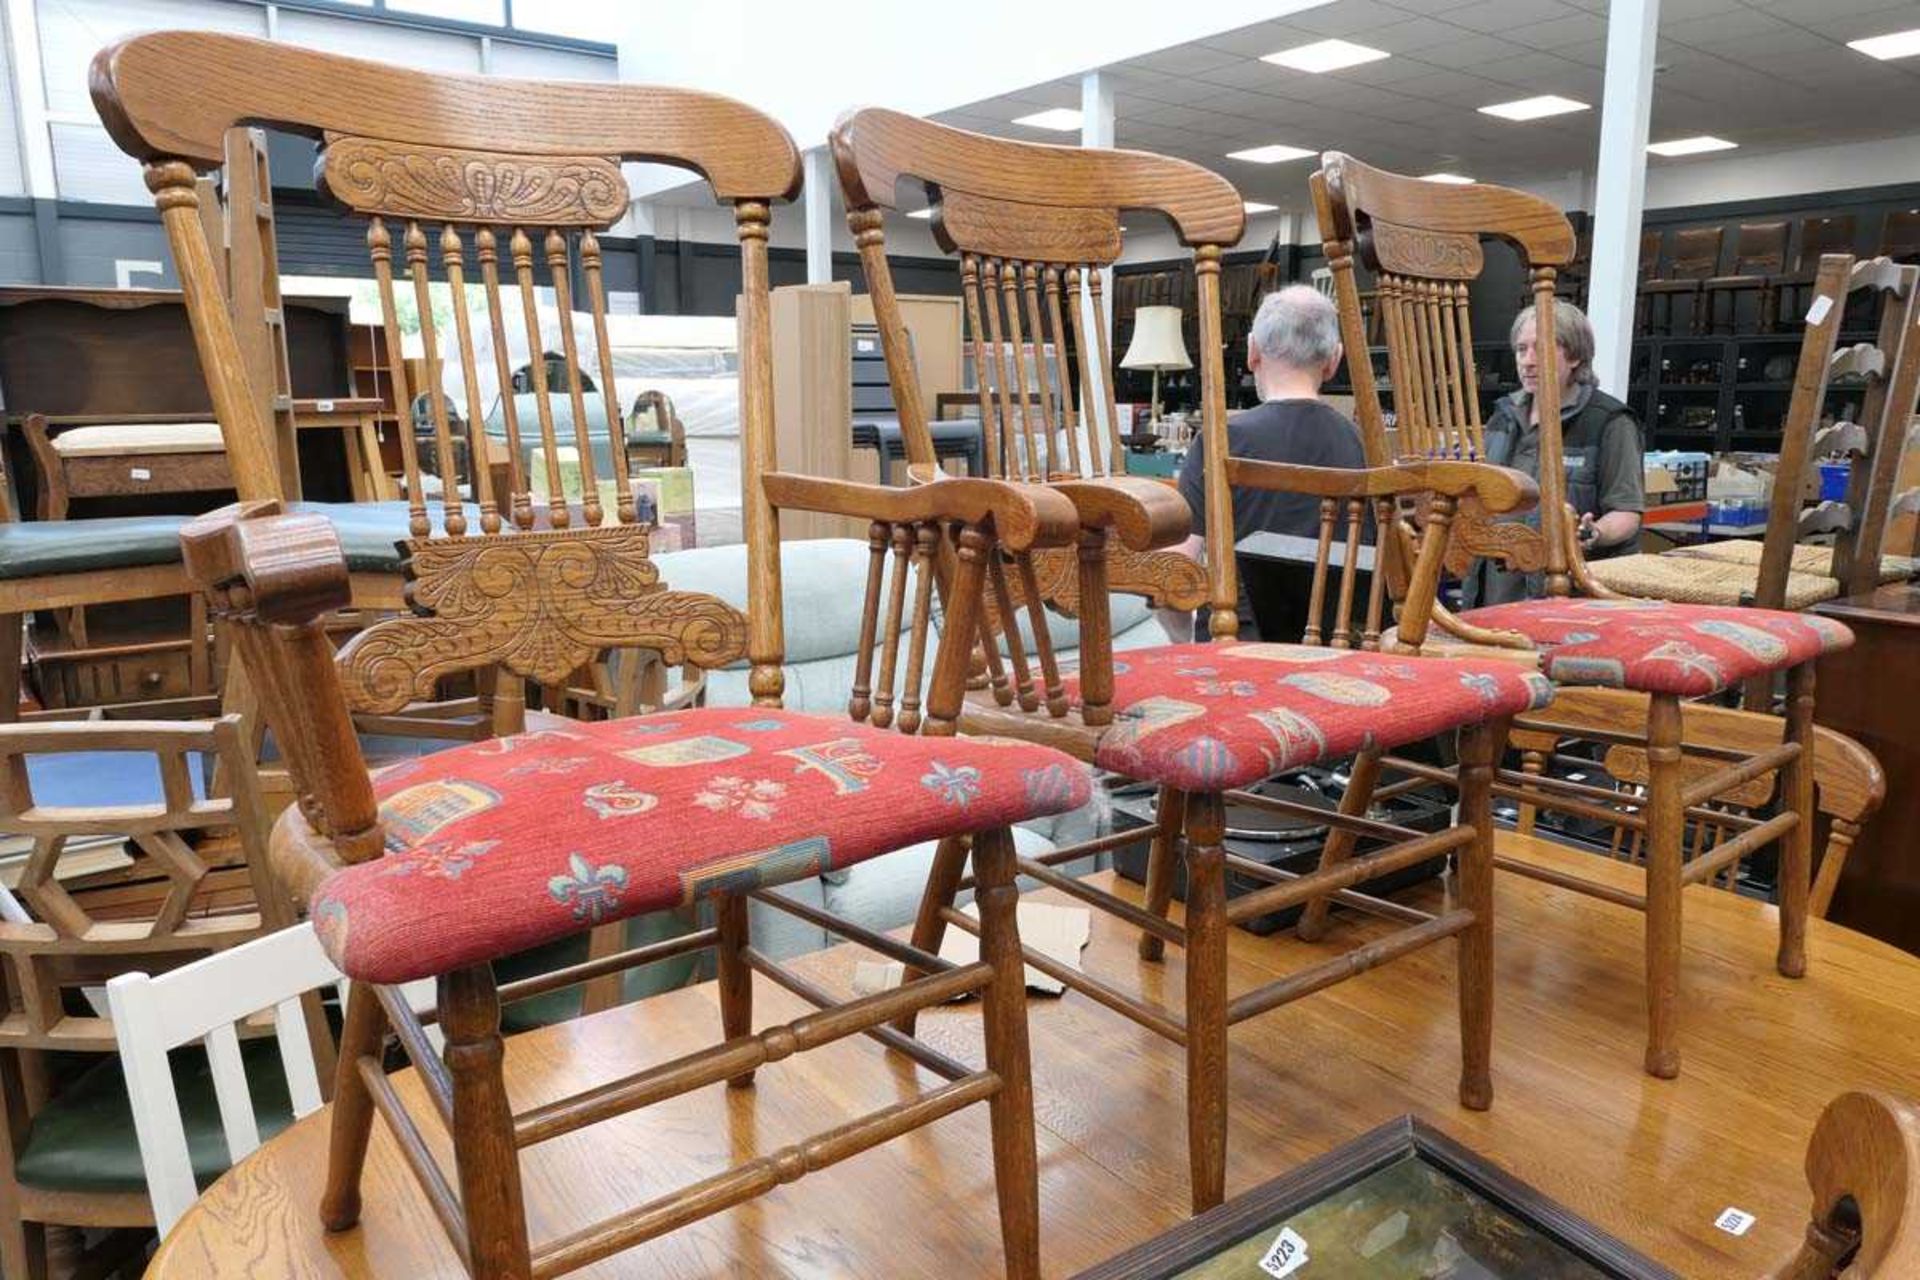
[540, 605]
[1433, 255]
[1167, 579]
[414, 181]
[1518, 546]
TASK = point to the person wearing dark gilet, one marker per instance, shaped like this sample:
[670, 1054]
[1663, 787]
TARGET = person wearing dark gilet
[1603, 455]
[1292, 347]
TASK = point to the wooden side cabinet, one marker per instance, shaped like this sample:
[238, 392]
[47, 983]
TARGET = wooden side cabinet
[813, 397]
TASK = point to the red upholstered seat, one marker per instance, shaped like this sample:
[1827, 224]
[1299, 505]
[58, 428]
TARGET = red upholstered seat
[1211, 717]
[1655, 646]
[502, 845]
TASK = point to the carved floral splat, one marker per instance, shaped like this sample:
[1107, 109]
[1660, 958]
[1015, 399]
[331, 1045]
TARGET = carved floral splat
[414, 181]
[540, 605]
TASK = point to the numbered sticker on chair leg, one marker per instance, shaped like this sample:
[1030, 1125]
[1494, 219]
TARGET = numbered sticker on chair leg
[1735, 1222]
[1286, 1255]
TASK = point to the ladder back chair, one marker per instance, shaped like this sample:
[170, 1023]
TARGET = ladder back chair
[456, 859]
[1200, 721]
[1426, 236]
[1778, 572]
[1033, 237]
[69, 1159]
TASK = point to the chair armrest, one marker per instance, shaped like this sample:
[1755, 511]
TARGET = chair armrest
[1024, 516]
[291, 566]
[1498, 489]
[1144, 514]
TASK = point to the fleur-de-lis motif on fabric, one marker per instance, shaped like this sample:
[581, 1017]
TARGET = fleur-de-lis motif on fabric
[755, 798]
[957, 786]
[592, 892]
[1226, 688]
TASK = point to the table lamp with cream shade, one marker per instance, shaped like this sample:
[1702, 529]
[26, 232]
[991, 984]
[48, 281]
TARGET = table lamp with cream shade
[1157, 345]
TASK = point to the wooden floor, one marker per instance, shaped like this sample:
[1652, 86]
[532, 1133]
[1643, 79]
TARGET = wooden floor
[1650, 1161]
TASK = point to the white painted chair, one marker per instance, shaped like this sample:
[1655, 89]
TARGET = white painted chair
[203, 1001]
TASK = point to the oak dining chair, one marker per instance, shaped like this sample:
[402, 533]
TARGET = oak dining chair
[450, 861]
[1423, 242]
[1200, 722]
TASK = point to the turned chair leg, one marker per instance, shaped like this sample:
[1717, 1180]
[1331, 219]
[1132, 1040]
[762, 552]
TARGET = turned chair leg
[1206, 1000]
[1480, 747]
[1665, 836]
[1161, 856]
[366, 1027]
[1796, 848]
[1533, 763]
[736, 979]
[930, 927]
[1312, 925]
[1016, 1162]
[484, 1154]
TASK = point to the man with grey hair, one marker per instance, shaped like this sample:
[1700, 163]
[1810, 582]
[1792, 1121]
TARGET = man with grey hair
[1293, 347]
[1606, 481]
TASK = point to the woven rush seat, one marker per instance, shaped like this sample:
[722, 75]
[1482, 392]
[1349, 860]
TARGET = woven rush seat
[1703, 581]
[1807, 558]
[1656, 646]
[1209, 717]
[510, 843]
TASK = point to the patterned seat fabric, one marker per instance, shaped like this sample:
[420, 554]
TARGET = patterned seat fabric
[1211, 717]
[1653, 646]
[506, 844]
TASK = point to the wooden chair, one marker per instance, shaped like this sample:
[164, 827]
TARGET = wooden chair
[1423, 243]
[1900, 236]
[1818, 238]
[1848, 783]
[1863, 1167]
[1695, 258]
[551, 833]
[66, 1156]
[1200, 721]
[655, 435]
[1759, 256]
[203, 1002]
[1778, 573]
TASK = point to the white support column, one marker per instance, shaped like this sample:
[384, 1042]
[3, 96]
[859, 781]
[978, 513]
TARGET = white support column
[819, 202]
[1621, 186]
[1096, 130]
[30, 99]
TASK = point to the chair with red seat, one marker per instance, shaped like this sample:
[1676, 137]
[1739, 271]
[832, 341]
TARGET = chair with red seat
[1422, 241]
[449, 862]
[1198, 721]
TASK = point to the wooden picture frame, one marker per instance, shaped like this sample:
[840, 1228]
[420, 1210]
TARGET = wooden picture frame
[1262, 1212]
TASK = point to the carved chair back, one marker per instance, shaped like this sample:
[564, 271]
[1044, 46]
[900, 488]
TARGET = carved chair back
[1696, 253]
[1760, 249]
[1033, 229]
[1821, 236]
[1891, 366]
[1421, 241]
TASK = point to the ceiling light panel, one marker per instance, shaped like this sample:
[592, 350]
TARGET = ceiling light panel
[1255, 206]
[1897, 44]
[1447, 179]
[1058, 119]
[1550, 104]
[1325, 55]
[1691, 146]
[1274, 154]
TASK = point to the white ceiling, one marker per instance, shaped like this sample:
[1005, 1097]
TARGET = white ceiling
[1768, 74]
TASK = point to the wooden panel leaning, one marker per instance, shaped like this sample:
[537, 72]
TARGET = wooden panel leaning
[1863, 1167]
[1028, 222]
[1418, 235]
[198, 868]
[493, 847]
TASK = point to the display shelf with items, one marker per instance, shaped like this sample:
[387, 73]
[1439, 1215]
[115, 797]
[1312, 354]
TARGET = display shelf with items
[1724, 393]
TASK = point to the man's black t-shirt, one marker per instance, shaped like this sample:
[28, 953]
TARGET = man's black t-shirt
[1302, 432]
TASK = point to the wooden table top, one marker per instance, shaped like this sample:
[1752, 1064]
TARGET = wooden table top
[1653, 1162]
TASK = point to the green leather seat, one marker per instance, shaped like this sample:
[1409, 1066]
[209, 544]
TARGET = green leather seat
[84, 1140]
[42, 548]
